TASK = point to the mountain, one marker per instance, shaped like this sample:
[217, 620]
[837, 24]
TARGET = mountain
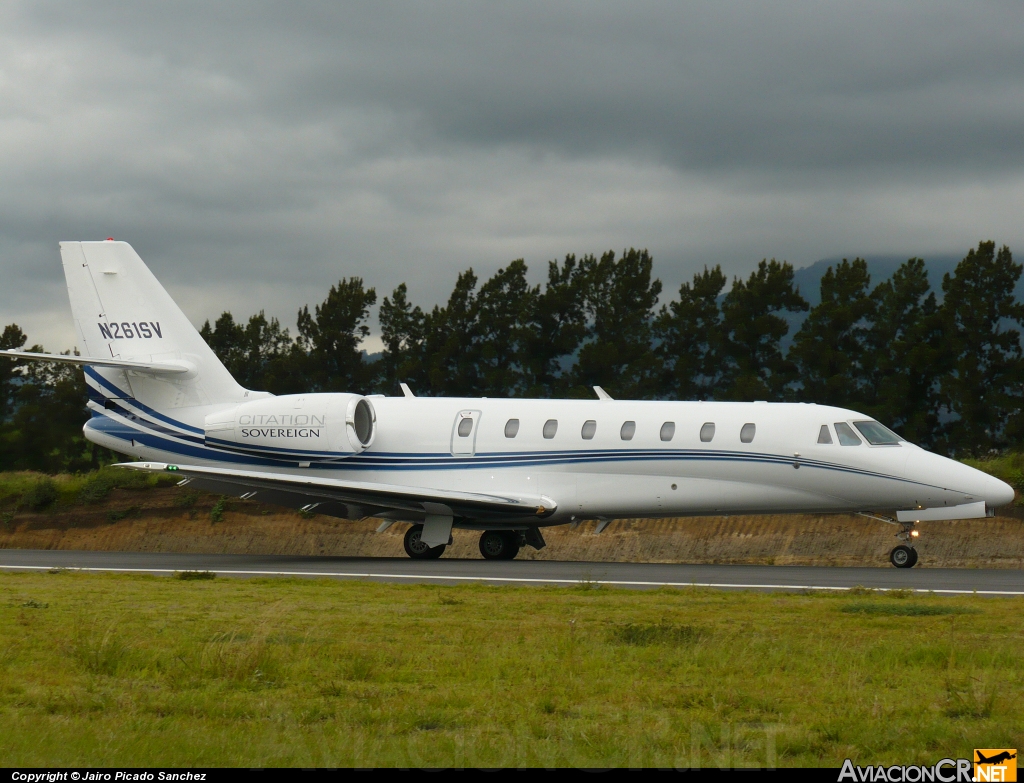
[881, 268]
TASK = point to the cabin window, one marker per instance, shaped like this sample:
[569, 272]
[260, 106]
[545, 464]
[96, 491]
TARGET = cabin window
[847, 437]
[877, 435]
[550, 428]
[589, 428]
[824, 436]
[747, 433]
[707, 432]
[511, 428]
[627, 430]
[465, 427]
[668, 430]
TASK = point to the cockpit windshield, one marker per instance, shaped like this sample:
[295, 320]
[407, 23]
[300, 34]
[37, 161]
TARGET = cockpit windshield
[877, 435]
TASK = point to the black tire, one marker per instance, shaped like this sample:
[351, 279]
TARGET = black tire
[512, 540]
[903, 556]
[499, 544]
[416, 549]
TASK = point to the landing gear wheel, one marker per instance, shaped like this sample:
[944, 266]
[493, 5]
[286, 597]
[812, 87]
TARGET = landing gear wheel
[903, 556]
[499, 544]
[416, 549]
[512, 540]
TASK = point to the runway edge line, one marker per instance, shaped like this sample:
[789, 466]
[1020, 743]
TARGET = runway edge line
[508, 579]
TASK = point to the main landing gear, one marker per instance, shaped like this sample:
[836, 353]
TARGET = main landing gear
[416, 549]
[494, 544]
[505, 544]
[499, 544]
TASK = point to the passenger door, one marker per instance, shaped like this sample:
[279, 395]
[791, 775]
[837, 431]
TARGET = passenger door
[464, 433]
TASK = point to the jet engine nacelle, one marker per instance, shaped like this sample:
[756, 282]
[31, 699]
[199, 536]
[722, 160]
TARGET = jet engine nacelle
[302, 427]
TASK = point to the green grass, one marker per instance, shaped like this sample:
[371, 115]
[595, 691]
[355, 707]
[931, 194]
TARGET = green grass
[115, 670]
[29, 491]
[644, 634]
[217, 512]
[915, 609]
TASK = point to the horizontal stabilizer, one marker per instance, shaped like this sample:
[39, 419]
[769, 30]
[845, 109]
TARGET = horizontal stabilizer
[963, 511]
[152, 368]
[305, 491]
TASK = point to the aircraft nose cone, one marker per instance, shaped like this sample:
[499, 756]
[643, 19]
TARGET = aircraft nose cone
[982, 486]
[999, 494]
[954, 476]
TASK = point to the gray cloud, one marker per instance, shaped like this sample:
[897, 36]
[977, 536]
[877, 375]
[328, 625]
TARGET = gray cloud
[253, 154]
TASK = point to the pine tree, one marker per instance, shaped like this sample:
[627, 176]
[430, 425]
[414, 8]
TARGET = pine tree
[506, 307]
[402, 331]
[829, 348]
[477, 344]
[689, 335]
[620, 300]
[756, 368]
[44, 429]
[258, 355]
[330, 339]
[450, 342]
[983, 389]
[10, 369]
[559, 326]
[904, 357]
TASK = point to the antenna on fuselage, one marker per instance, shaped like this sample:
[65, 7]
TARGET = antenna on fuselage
[406, 390]
[602, 394]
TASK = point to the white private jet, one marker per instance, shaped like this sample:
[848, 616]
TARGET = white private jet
[505, 467]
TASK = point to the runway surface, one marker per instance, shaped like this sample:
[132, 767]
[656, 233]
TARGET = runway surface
[525, 572]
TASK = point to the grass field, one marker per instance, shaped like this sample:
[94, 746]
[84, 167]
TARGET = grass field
[26, 489]
[133, 670]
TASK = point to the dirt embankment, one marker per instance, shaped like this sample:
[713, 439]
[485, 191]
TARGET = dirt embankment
[168, 520]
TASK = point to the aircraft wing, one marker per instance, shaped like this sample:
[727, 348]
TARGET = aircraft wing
[352, 499]
[154, 368]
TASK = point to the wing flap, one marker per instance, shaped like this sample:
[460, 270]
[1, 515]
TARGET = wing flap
[287, 499]
[299, 491]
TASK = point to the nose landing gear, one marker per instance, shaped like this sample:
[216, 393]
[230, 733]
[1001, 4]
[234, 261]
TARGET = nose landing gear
[902, 555]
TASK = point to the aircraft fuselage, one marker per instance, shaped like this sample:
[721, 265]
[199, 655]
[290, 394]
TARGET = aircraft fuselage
[664, 468]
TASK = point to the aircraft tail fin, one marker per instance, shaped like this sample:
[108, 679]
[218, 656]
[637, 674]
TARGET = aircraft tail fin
[144, 346]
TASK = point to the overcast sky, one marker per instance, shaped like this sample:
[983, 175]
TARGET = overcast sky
[253, 154]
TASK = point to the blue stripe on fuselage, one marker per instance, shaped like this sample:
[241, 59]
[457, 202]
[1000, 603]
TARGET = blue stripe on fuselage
[432, 460]
[391, 461]
[160, 437]
[120, 394]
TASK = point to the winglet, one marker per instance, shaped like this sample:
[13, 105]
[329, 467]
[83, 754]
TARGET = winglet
[602, 394]
[406, 390]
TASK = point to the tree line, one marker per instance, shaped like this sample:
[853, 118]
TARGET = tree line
[946, 373]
